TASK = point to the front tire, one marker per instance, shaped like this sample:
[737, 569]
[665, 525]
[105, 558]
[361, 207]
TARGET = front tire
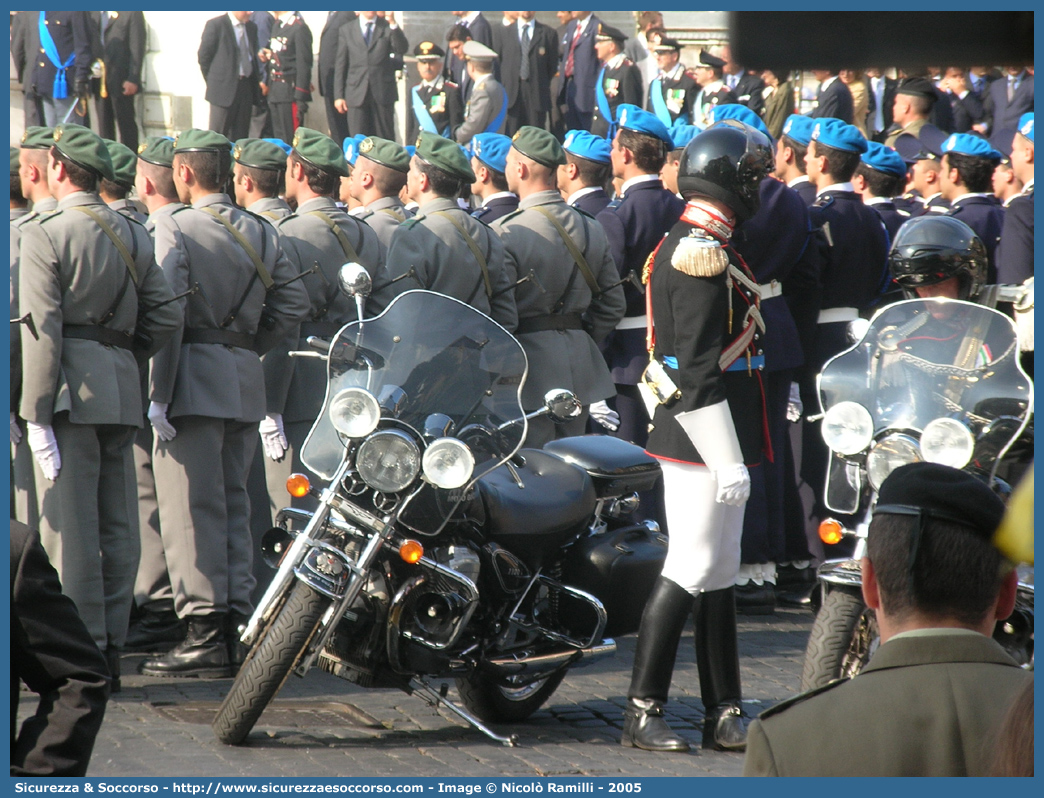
[496, 702]
[268, 665]
[841, 640]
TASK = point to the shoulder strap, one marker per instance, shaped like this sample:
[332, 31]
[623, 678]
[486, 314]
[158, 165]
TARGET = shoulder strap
[116, 240]
[346, 246]
[474, 250]
[578, 256]
[259, 265]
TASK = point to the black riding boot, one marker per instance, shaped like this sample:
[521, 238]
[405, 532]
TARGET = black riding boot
[663, 620]
[717, 657]
[203, 653]
[157, 628]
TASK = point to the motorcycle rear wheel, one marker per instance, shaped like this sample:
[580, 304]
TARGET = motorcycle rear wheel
[840, 642]
[270, 662]
[495, 702]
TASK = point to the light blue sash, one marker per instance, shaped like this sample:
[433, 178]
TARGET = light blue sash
[659, 105]
[60, 90]
[603, 105]
[420, 110]
[494, 126]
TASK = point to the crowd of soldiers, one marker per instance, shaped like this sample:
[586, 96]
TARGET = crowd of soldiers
[161, 286]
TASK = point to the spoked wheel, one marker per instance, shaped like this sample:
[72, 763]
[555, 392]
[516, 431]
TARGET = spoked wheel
[496, 701]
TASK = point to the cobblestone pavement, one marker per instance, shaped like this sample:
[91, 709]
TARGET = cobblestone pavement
[322, 726]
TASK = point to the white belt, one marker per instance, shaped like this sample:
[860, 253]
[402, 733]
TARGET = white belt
[770, 290]
[830, 315]
[632, 323]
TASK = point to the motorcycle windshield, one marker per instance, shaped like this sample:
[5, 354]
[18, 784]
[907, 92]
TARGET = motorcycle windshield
[433, 363]
[926, 359]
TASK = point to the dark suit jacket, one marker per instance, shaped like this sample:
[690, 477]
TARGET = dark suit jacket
[1015, 251]
[1003, 115]
[748, 92]
[594, 203]
[543, 62]
[887, 101]
[53, 653]
[71, 31]
[481, 30]
[123, 49]
[835, 102]
[966, 111]
[219, 60]
[585, 62]
[362, 69]
[328, 49]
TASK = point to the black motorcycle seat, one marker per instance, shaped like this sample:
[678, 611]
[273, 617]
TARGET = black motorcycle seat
[534, 521]
[617, 467]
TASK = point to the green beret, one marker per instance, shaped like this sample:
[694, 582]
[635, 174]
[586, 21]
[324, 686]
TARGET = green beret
[195, 140]
[15, 152]
[444, 154]
[387, 153]
[260, 154]
[85, 148]
[124, 163]
[157, 150]
[38, 138]
[539, 145]
[320, 151]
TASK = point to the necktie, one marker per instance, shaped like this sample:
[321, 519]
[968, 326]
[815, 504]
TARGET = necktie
[104, 24]
[523, 71]
[368, 33]
[570, 61]
[1011, 89]
[244, 51]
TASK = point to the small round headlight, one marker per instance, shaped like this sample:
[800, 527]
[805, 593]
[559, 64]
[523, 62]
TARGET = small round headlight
[848, 428]
[948, 442]
[448, 463]
[354, 412]
[388, 461]
[890, 453]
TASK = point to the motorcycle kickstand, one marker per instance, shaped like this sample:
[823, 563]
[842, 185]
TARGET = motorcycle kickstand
[435, 698]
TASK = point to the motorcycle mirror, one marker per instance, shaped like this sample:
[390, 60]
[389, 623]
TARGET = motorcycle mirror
[857, 328]
[354, 280]
[562, 405]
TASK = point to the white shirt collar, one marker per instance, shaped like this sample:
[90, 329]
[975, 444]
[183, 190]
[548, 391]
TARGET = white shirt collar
[674, 73]
[470, 17]
[498, 195]
[522, 24]
[615, 61]
[581, 24]
[434, 84]
[583, 192]
[1028, 187]
[827, 82]
[363, 22]
[636, 180]
[710, 88]
[970, 194]
[1007, 202]
[836, 187]
[876, 200]
[799, 179]
[235, 22]
[357, 211]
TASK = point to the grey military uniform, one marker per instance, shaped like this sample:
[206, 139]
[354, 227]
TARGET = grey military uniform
[212, 380]
[431, 244]
[384, 216]
[71, 275]
[295, 387]
[23, 481]
[129, 209]
[272, 208]
[561, 352]
[484, 106]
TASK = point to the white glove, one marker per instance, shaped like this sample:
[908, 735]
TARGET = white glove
[272, 436]
[45, 449]
[795, 408]
[605, 415]
[713, 433]
[16, 431]
[158, 418]
[733, 485]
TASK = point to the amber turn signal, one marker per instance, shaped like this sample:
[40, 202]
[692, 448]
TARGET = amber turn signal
[831, 531]
[411, 551]
[297, 485]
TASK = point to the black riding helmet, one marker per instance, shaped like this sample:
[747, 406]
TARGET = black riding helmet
[727, 161]
[933, 248]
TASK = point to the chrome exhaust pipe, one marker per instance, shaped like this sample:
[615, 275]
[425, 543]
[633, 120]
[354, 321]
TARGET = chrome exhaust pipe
[552, 661]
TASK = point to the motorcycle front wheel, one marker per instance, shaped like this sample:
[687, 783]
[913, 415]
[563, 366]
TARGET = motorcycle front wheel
[841, 641]
[271, 660]
[496, 702]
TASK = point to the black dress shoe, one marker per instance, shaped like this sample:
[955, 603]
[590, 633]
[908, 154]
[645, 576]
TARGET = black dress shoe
[645, 728]
[755, 599]
[794, 586]
[155, 630]
[724, 729]
[203, 653]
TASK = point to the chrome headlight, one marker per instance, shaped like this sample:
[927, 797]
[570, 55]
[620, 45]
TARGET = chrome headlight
[848, 428]
[388, 461]
[448, 463]
[890, 453]
[355, 412]
[948, 442]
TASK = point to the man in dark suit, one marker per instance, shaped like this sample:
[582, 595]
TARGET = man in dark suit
[228, 59]
[335, 120]
[369, 51]
[932, 698]
[478, 26]
[122, 36]
[260, 115]
[881, 90]
[578, 69]
[53, 653]
[587, 170]
[965, 105]
[455, 66]
[834, 100]
[528, 60]
[746, 86]
[1008, 99]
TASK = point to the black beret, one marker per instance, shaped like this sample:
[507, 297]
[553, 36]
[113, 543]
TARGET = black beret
[919, 87]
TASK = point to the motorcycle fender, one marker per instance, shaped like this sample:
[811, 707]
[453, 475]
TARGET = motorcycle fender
[326, 570]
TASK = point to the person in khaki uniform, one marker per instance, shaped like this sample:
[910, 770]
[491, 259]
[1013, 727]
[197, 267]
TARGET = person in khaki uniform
[88, 277]
[207, 392]
[377, 177]
[932, 698]
[448, 251]
[560, 326]
[318, 233]
[257, 178]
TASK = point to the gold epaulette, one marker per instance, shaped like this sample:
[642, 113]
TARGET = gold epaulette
[700, 256]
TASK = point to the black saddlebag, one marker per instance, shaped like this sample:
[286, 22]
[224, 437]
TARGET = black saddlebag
[619, 568]
[617, 467]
